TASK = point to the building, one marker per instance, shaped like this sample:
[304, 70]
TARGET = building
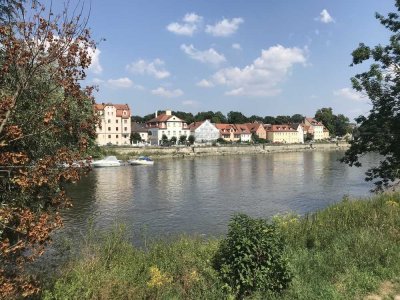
[204, 131]
[115, 124]
[300, 132]
[257, 129]
[282, 134]
[141, 130]
[316, 129]
[234, 132]
[168, 125]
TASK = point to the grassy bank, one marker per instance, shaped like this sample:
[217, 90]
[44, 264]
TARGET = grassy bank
[349, 250]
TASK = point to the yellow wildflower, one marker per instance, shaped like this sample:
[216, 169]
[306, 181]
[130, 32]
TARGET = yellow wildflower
[158, 278]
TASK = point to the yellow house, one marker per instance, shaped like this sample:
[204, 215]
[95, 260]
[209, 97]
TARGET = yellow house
[282, 134]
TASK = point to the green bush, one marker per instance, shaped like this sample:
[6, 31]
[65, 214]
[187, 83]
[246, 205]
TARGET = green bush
[251, 258]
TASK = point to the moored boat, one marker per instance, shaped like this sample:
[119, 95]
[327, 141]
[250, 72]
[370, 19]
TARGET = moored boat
[109, 161]
[141, 160]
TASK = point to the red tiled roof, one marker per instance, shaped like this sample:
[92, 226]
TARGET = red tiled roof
[237, 128]
[120, 108]
[280, 128]
[314, 122]
[160, 118]
[193, 126]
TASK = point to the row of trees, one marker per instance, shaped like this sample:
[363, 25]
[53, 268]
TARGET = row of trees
[336, 124]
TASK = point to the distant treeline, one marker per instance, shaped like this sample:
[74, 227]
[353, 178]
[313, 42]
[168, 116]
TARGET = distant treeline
[233, 117]
[336, 124]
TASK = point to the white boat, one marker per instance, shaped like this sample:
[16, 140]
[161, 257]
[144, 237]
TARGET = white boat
[141, 160]
[109, 161]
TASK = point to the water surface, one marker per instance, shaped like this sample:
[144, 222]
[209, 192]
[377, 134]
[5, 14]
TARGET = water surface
[199, 195]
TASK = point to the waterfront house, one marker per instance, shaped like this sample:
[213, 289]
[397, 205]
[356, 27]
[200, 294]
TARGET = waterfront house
[284, 133]
[300, 132]
[115, 125]
[257, 129]
[234, 132]
[204, 131]
[168, 125]
[141, 130]
[316, 129]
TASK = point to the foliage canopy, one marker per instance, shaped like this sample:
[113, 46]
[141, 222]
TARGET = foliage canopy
[379, 132]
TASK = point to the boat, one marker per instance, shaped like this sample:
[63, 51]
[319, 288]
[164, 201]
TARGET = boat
[141, 160]
[109, 161]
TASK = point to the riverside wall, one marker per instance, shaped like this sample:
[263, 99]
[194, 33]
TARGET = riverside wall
[193, 151]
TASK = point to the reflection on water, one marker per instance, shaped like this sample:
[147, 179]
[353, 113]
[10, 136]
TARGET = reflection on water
[200, 195]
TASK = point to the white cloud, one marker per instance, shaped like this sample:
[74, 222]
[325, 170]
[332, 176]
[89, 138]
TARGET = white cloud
[207, 56]
[188, 27]
[263, 76]
[205, 83]
[192, 18]
[190, 103]
[348, 94]
[236, 46]
[154, 68]
[325, 17]
[97, 80]
[124, 82]
[225, 27]
[95, 65]
[163, 92]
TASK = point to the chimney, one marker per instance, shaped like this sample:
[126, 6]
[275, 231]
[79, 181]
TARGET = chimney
[168, 112]
[156, 113]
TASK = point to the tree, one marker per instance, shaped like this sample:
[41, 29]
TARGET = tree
[269, 120]
[379, 132]
[46, 120]
[187, 117]
[135, 137]
[297, 118]
[282, 120]
[164, 139]
[326, 117]
[235, 117]
[191, 139]
[342, 125]
[173, 140]
[182, 139]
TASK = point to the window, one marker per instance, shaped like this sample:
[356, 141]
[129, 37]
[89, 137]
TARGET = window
[109, 136]
[109, 128]
[116, 137]
[116, 121]
[126, 128]
[109, 121]
[125, 121]
[116, 128]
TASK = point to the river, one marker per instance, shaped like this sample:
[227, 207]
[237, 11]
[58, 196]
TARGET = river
[199, 195]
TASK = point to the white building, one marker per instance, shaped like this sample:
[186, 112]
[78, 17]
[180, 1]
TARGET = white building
[115, 124]
[166, 124]
[299, 128]
[204, 131]
[316, 128]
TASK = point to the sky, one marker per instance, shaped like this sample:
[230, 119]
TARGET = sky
[259, 57]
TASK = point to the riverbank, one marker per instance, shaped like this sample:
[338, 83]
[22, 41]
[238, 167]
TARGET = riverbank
[346, 251]
[195, 151]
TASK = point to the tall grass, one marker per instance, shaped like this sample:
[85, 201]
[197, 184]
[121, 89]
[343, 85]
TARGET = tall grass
[109, 267]
[345, 251]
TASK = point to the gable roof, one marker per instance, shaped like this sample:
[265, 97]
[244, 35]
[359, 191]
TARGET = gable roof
[120, 109]
[280, 128]
[314, 122]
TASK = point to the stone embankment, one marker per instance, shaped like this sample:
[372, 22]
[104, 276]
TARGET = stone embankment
[193, 151]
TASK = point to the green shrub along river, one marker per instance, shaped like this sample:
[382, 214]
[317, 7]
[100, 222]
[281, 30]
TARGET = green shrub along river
[348, 250]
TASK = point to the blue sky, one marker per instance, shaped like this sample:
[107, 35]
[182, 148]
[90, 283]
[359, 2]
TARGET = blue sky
[262, 57]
